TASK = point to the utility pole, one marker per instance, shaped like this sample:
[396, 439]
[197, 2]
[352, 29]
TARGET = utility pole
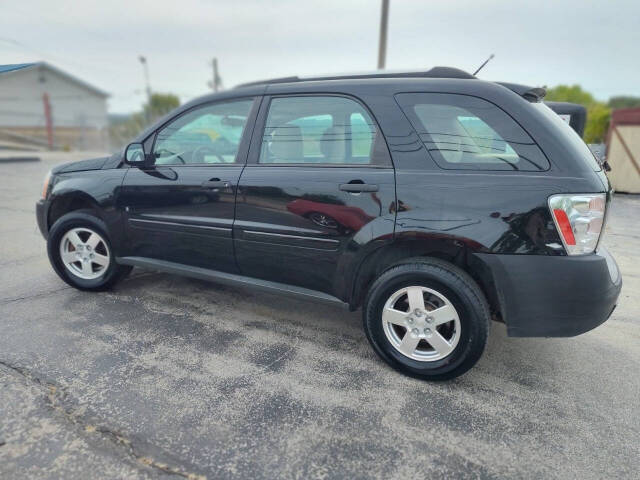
[382, 45]
[143, 61]
[48, 119]
[216, 81]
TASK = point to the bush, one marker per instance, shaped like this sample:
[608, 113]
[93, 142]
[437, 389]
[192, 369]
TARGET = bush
[121, 132]
[598, 113]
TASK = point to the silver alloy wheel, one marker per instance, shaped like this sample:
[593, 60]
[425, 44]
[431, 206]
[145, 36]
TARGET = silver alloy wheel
[421, 323]
[84, 253]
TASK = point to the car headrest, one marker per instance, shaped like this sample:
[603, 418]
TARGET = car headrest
[333, 144]
[285, 144]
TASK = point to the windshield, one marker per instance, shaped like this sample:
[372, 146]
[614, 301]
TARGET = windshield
[570, 135]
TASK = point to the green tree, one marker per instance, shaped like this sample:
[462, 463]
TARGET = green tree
[160, 104]
[624, 101]
[122, 131]
[598, 117]
[598, 113]
[570, 93]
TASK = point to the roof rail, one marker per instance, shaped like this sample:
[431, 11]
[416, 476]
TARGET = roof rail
[435, 72]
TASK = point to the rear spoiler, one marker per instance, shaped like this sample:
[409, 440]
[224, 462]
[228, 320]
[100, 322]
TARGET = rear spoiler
[575, 115]
[533, 94]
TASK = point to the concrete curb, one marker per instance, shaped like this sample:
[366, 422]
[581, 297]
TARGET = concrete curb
[19, 159]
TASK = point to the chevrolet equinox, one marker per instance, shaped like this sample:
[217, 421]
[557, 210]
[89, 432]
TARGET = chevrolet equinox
[433, 200]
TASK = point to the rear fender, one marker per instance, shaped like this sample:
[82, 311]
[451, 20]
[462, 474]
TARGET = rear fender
[408, 247]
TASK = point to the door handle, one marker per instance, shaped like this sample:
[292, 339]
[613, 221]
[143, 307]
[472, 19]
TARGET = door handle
[216, 183]
[358, 187]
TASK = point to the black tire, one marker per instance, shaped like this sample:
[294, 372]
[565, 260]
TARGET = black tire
[459, 288]
[83, 219]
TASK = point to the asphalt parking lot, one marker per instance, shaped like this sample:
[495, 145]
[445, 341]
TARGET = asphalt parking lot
[166, 376]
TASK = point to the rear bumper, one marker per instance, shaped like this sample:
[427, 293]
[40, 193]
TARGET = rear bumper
[42, 209]
[553, 296]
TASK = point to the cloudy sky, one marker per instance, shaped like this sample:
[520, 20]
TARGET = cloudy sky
[594, 43]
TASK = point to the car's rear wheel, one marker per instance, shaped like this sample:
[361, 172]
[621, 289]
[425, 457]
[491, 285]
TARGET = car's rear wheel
[427, 318]
[81, 254]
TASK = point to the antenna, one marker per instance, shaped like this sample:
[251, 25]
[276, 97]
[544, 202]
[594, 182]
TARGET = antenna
[485, 62]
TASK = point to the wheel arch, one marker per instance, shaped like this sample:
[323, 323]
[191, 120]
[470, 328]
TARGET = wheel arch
[450, 250]
[69, 202]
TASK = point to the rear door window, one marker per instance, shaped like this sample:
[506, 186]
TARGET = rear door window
[465, 132]
[324, 130]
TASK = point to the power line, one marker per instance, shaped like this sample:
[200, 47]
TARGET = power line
[56, 20]
[89, 66]
[56, 58]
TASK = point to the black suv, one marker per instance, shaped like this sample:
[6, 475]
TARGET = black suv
[434, 200]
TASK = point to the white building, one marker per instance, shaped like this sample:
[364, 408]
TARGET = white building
[35, 96]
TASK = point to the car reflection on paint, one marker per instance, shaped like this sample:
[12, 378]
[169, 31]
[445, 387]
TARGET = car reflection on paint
[328, 215]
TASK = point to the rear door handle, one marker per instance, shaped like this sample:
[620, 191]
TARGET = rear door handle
[358, 187]
[216, 183]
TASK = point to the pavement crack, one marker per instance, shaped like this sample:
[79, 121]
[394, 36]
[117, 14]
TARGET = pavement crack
[5, 301]
[21, 371]
[130, 448]
[55, 397]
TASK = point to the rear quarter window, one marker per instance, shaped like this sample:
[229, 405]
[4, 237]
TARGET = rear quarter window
[570, 136]
[462, 132]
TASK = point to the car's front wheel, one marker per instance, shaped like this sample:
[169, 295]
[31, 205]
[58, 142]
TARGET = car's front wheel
[81, 254]
[427, 318]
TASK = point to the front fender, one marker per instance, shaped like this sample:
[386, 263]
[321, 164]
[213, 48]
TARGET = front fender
[96, 190]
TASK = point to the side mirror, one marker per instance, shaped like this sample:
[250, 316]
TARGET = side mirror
[134, 155]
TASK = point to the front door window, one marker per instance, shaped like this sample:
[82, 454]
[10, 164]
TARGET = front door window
[205, 135]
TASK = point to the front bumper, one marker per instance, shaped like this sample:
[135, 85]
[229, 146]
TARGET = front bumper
[553, 296]
[42, 213]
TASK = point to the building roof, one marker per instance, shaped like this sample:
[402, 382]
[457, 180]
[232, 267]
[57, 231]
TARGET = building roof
[626, 116]
[14, 66]
[44, 65]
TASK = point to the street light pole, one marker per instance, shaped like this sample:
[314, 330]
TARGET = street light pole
[216, 81]
[143, 61]
[382, 45]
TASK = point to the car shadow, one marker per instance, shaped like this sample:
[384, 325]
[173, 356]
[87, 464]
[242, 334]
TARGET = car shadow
[529, 362]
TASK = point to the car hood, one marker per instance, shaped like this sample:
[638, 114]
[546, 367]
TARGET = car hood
[82, 165]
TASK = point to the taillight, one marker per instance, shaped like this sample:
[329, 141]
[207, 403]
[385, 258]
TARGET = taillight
[579, 219]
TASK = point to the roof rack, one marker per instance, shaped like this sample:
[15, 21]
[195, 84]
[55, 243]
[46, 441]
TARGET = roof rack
[435, 72]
